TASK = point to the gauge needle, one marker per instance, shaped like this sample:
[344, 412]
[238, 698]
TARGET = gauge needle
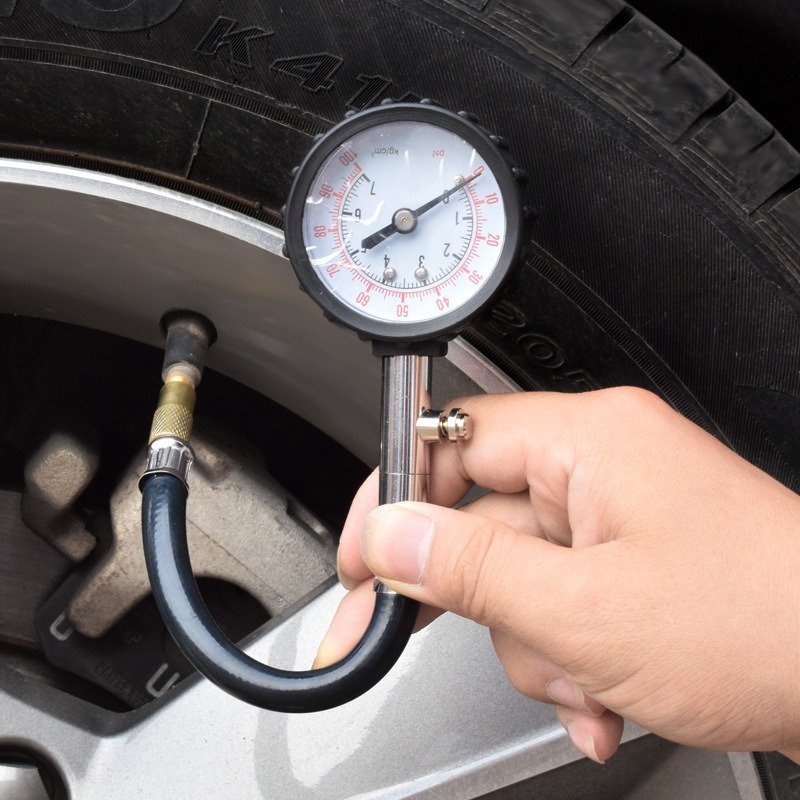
[405, 220]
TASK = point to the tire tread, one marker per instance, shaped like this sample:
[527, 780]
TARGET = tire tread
[648, 76]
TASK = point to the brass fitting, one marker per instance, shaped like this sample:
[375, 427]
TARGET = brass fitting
[189, 336]
[174, 414]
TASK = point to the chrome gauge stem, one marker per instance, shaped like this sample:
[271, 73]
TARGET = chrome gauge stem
[404, 456]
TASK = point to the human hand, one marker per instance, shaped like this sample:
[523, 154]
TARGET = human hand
[626, 562]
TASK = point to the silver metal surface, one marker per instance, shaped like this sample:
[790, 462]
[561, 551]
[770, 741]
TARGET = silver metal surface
[427, 426]
[456, 427]
[115, 254]
[404, 220]
[745, 774]
[470, 363]
[21, 782]
[168, 455]
[435, 425]
[453, 725]
[404, 458]
[445, 723]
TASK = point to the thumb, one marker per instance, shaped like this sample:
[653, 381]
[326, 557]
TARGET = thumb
[475, 566]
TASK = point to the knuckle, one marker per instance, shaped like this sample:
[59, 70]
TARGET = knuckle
[626, 407]
[631, 400]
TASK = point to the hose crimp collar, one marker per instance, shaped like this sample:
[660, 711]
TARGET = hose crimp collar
[169, 455]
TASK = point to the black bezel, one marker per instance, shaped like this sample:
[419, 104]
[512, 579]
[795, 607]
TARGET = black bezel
[451, 323]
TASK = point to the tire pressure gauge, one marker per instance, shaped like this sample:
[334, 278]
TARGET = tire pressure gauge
[403, 222]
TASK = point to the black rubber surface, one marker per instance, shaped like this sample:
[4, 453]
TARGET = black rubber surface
[753, 44]
[215, 656]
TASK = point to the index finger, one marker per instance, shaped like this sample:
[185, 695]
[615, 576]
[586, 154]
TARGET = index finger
[513, 438]
[496, 456]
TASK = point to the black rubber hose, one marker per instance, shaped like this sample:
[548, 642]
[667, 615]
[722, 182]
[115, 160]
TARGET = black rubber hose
[207, 648]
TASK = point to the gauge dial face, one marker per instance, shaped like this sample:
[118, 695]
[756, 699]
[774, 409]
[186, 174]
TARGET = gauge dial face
[405, 222]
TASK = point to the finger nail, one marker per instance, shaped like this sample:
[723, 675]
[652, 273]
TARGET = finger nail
[346, 581]
[564, 692]
[583, 741]
[329, 650]
[326, 655]
[396, 542]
